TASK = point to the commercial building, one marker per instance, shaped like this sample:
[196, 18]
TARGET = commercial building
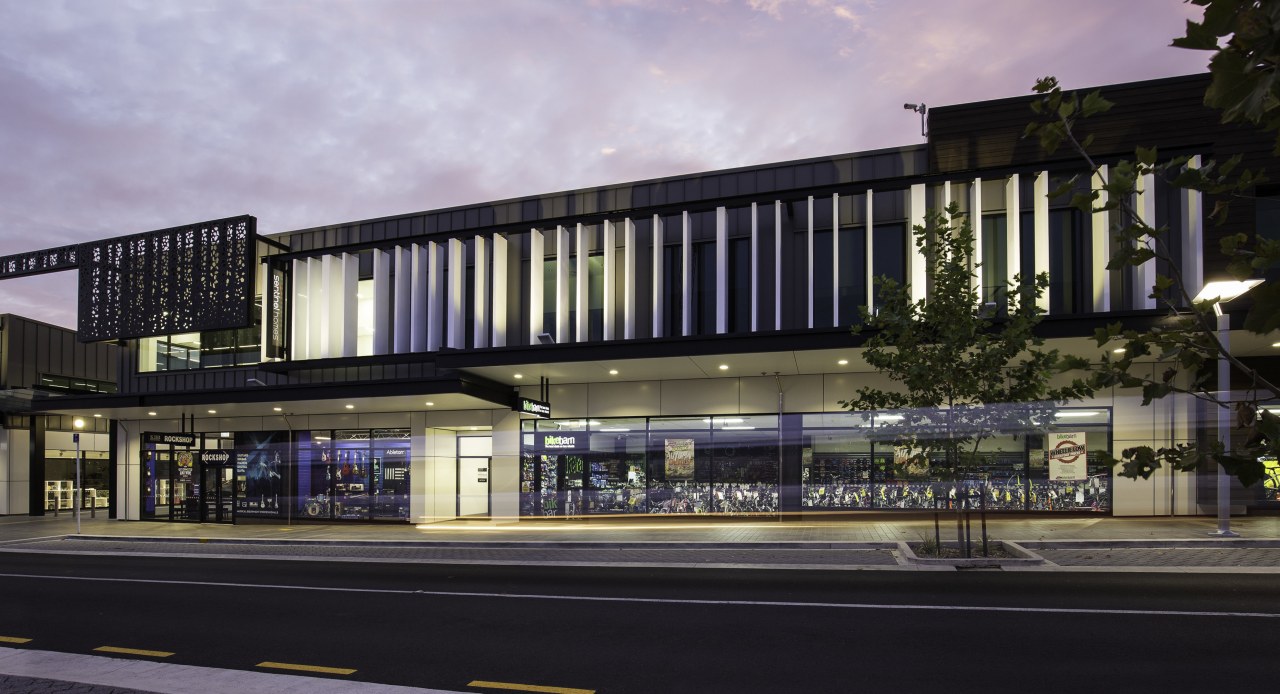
[669, 346]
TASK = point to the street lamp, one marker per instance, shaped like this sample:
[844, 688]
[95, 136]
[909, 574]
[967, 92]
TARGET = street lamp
[79, 495]
[1219, 292]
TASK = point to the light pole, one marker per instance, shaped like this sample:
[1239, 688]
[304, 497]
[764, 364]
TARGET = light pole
[1219, 292]
[79, 495]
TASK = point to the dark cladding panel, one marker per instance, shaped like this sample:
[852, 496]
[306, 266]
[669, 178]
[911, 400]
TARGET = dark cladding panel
[38, 262]
[181, 280]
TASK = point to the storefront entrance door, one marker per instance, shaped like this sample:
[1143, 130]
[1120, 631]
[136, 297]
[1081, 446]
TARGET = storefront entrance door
[217, 493]
[473, 487]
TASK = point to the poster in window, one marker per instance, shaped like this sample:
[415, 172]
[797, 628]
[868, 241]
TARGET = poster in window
[259, 465]
[185, 460]
[679, 459]
[1068, 456]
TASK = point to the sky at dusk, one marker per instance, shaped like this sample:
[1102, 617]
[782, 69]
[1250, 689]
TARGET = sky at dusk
[123, 116]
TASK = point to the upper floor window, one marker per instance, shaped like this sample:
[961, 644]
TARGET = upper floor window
[204, 350]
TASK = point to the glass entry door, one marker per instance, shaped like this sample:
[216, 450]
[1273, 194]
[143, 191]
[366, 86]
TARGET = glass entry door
[217, 493]
[473, 487]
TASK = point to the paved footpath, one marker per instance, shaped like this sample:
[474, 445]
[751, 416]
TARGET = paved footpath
[847, 542]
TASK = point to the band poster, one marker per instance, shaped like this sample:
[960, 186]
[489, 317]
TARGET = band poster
[679, 459]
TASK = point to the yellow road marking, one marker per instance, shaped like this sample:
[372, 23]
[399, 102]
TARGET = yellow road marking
[13, 639]
[529, 687]
[308, 668]
[133, 651]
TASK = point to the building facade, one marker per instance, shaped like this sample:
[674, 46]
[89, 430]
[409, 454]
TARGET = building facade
[670, 346]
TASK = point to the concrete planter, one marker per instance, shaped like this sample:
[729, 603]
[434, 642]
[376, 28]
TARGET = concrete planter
[1018, 556]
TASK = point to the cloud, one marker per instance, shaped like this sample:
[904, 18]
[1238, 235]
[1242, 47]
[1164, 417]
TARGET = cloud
[126, 117]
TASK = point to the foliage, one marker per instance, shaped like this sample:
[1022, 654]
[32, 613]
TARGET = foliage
[967, 372]
[1245, 85]
[1186, 345]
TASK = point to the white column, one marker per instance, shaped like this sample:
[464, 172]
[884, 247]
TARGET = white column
[418, 301]
[583, 284]
[1013, 229]
[835, 259]
[869, 260]
[537, 293]
[381, 301]
[755, 269]
[499, 315]
[608, 249]
[1192, 233]
[480, 327]
[403, 326]
[1101, 238]
[946, 198]
[331, 307]
[657, 277]
[686, 274]
[809, 266]
[628, 279]
[777, 265]
[1040, 211]
[917, 274]
[346, 333]
[562, 285]
[975, 222]
[435, 297]
[318, 307]
[722, 270]
[1144, 275]
[456, 312]
[301, 314]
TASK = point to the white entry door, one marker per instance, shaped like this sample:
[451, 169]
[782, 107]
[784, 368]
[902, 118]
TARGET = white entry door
[473, 487]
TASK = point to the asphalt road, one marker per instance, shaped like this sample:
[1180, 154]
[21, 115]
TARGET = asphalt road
[660, 630]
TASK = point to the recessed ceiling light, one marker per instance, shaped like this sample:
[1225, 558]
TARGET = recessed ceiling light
[225, 434]
[351, 407]
[1118, 350]
[843, 362]
[613, 372]
[519, 375]
[430, 404]
[277, 409]
[98, 415]
[213, 412]
[152, 414]
[724, 367]
[1275, 344]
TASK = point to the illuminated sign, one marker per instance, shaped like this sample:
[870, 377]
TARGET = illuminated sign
[536, 408]
[170, 439]
[275, 347]
[563, 442]
[215, 457]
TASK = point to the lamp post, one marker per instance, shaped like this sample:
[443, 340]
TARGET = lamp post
[1219, 292]
[79, 495]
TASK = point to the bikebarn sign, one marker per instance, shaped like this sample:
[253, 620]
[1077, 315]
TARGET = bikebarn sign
[536, 408]
[563, 441]
[1068, 456]
[170, 439]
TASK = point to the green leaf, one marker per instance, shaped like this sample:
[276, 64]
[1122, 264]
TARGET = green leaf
[1093, 104]
[1146, 156]
[1264, 315]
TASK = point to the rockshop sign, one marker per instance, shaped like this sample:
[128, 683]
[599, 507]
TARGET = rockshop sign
[170, 439]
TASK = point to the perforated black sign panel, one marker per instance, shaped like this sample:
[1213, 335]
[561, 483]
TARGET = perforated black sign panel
[181, 280]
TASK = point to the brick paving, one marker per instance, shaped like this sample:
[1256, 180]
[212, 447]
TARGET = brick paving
[1165, 556]
[12, 684]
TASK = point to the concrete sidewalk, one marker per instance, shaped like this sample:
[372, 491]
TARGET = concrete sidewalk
[849, 542]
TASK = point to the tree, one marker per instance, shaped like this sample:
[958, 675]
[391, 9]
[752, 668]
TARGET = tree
[1244, 87]
[967, 371]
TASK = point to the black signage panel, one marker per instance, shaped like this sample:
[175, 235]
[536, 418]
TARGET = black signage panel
[552, 441]
[275, 298]
[536, 408]
[168, 438]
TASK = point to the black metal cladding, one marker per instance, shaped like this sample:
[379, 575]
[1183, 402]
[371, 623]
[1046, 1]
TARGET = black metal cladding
[180, 280]
[38, 262]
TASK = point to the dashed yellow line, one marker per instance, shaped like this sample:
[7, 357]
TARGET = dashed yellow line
[13, 639]
[133, 651]
[308, 668]
[529, 687]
